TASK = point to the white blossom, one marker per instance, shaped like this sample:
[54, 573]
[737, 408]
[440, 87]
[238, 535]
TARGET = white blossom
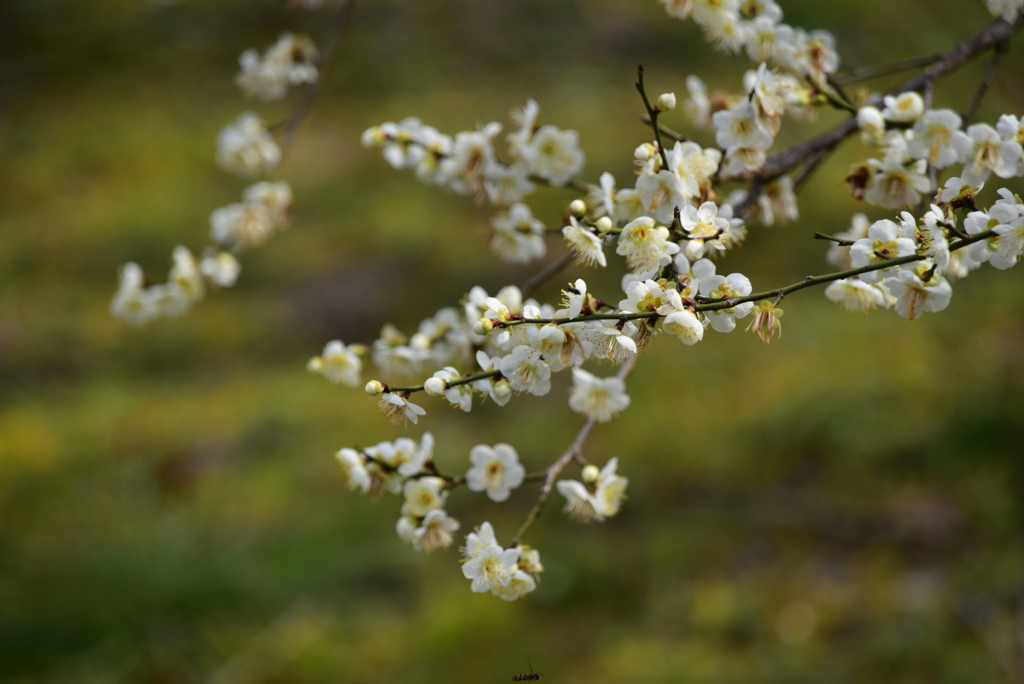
[938, 138]
[290, 61]
[883, 242]
[599, 399]
[518, 236]
[645, 246]
[990, 154]
[914, 295]
[338, 363]
[434, 531]
[588, 247]
[854, 295]
[423, 494]
[526, 371]
[553, 154]
[906, 107]
[246, 148]
[496, 470]
[354, 465]
[726, 287]
[399, 409]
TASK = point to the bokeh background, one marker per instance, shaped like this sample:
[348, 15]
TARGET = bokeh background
[842, 506]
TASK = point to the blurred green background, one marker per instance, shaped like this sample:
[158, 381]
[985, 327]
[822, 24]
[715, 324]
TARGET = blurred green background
[842, 506]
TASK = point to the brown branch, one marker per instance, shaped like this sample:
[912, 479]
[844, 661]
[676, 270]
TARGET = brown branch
[997, 54]
[549, 271]
[338, 25]
[997, 32]
[854, 75]
[572, 453]
[665, 130]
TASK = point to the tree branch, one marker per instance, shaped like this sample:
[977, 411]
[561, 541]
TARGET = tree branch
[556, 468]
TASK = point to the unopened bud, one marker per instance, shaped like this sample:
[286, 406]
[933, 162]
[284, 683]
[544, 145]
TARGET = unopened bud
[578, 208]
[667, 101]
[502, 389]
[315, 365]
[590, 474]
[644, 152]
[435, 386]
[604, 224]
[374, 387]
[483, 326]
[420, 342]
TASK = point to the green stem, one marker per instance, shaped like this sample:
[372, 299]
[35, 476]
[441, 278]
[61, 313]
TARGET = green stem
[464, 380]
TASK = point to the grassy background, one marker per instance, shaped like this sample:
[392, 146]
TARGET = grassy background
[843, 506]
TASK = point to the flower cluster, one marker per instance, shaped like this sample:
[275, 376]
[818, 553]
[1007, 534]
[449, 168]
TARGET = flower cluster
[137, 304]
[509, 573]
[468, 164]
[915, 139]
[599, 496]
[290, 61]
[245, 147]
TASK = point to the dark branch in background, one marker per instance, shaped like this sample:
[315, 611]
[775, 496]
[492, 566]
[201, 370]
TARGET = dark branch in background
[549, 271]
[338, 25]
[997, 32]
[997, 54]
[863, 73]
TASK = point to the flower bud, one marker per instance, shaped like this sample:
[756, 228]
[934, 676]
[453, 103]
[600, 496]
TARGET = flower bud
[483, 326]
[578, 208]
[502, 389]
[644, 152]
[590, 474]
[374, 387]
[315, 365]
[667, 101]
[435, 386]
[604, 224]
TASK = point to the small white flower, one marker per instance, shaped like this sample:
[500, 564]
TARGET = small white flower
[914, 296]
[290, 61]
[491, 567]
[246, 148]
[411, 458]
[220, 268]
[398, 409]
[338, 363]
[495, 469]
[895, 185]
[354, 465]
[579, 504]
[275, 197]
[132, 303]
[434, 532]
[588, 247]
[526, 371]
[990, 154]
[424, 494]
[684, 325]
[505, 185]
[472, 153]
[938, 138]
[854, 295]
[661, 193]
[884, 242]
[478, 540]
[906, 107]
[610, 490]
[553, 154]
[1007, 9]
[698, 107]
[526, 118]
[726, 287]
[518, 236]
[872, 125]
[646, 246]
[703, 227]
[739, 127]
[599, 399]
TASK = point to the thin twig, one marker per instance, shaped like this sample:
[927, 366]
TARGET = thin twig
[665, 130]
[854, 75]
[555, 469]
[338, 25]
[997, 54]
[550, 271]
[652, 112]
